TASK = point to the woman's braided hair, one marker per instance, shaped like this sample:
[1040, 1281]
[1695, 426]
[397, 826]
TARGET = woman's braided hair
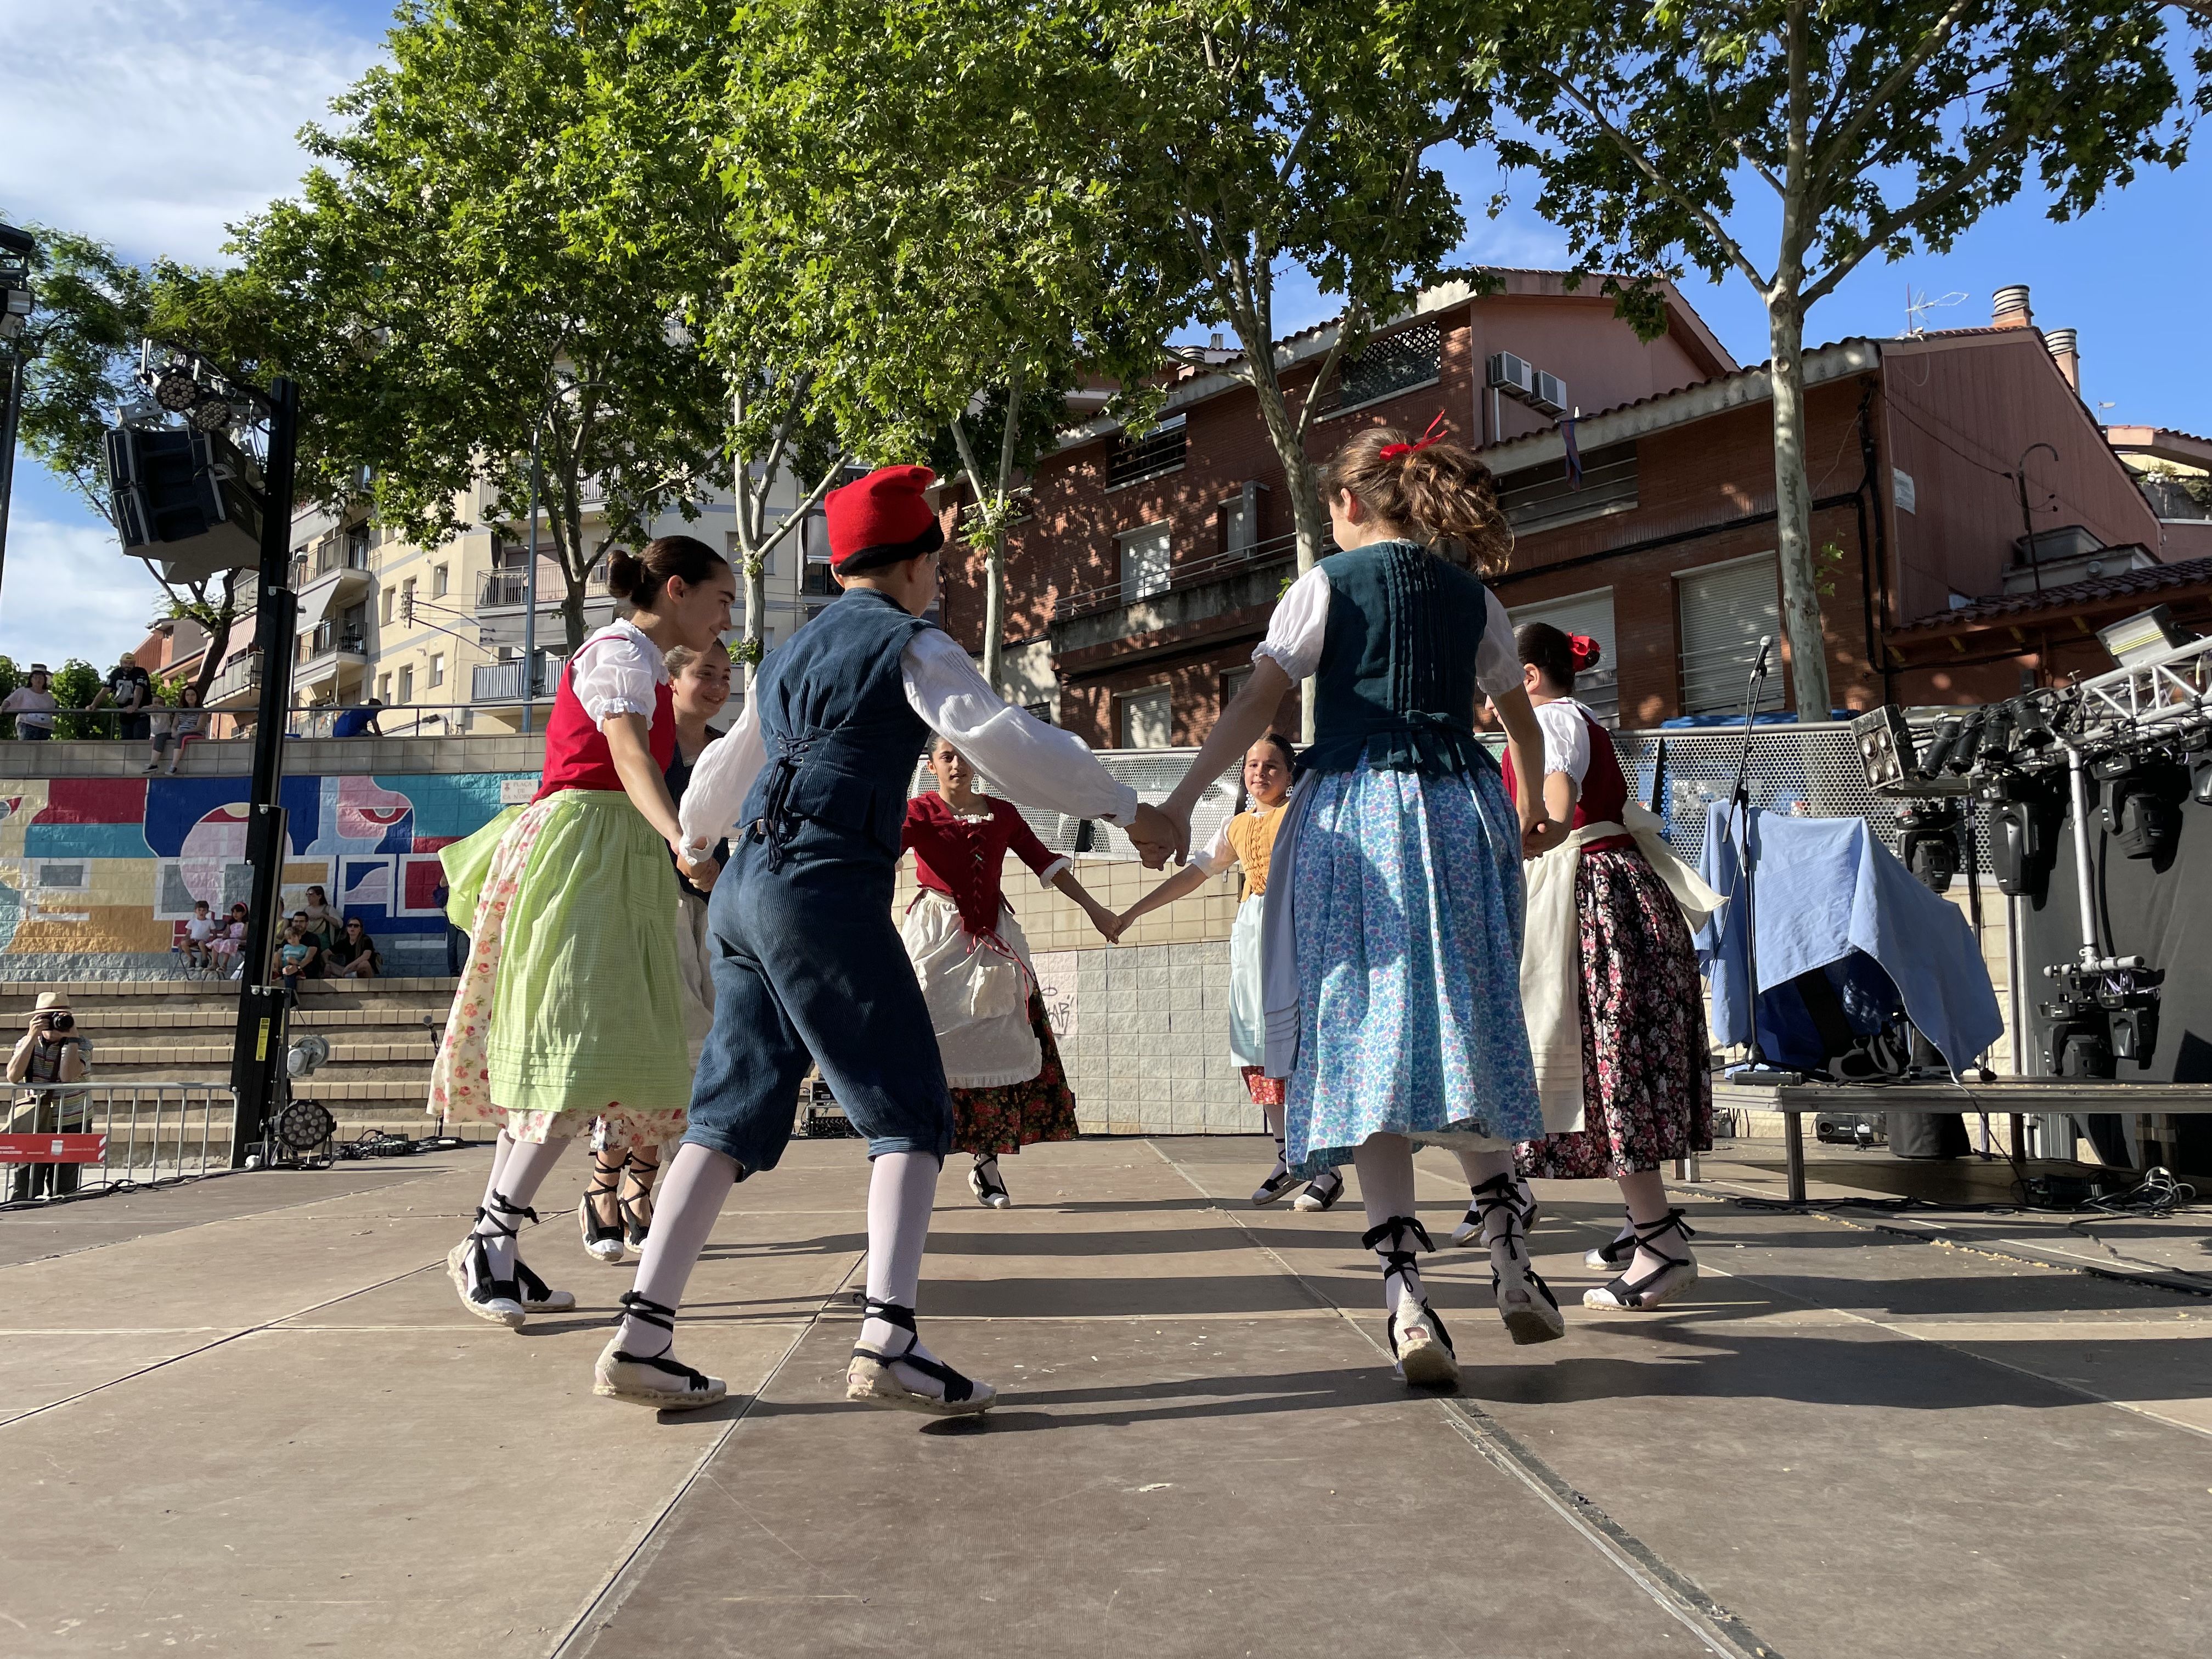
[1439, 489]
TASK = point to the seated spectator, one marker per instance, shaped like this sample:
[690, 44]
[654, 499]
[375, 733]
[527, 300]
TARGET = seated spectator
[49, 1052]
[199, 937]
[33, 705]
[358, 722]
[131, 688]
[179, 726]
[323, 922]
[229, 942]
[354, 956]
[297, 957]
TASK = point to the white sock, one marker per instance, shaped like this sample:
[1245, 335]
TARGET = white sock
[517, 1173]
[902, 1192]
[696, 1181]
[1385, 1164]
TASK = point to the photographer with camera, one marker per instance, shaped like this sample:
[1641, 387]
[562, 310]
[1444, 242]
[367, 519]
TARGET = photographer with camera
[49, 1052]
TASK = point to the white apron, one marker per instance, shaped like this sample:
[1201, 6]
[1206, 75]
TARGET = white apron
[978, 991]
[1247, 1014]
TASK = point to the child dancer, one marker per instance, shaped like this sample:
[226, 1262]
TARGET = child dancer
[1247, 839]
[1392, 937]
[1000, 1061]
[1609, 980]
[569, 1010]
[615, 1211]
[807, 960]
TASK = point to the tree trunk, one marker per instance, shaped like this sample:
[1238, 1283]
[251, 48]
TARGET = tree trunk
[572, 612]
[994, 614]
[1793, 512]
[1301, 479]
[218, 641]
[755, 606]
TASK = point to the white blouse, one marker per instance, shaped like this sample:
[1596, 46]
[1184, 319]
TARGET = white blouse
[1566, 739]
[617, 671]
[1035, 763]
[1299, 628]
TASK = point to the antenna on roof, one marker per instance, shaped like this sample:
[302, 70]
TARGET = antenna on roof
[1916, 309]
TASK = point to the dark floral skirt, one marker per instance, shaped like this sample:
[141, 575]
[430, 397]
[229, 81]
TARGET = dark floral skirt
[1647, 1085]
[1017, 1114]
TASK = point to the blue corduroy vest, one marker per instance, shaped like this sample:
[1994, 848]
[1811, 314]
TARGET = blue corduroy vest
[841, 738]
[1396, 679]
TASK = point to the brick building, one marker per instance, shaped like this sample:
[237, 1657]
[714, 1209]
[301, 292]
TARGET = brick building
[1151, 561]
[1147, 571]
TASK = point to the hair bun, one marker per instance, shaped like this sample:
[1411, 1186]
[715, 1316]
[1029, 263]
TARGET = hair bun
[625, 573]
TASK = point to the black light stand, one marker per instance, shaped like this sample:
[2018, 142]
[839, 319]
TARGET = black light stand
[1755, 1069]
[257, 1055]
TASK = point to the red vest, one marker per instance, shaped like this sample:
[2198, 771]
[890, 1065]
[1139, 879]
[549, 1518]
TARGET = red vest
[1604, 790]
[576, 752]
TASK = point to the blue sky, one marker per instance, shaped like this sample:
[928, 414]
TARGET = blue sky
[94, 94]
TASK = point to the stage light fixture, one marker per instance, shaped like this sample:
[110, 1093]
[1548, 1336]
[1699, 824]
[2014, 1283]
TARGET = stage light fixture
[176, 389]
[2139, 638]
[1885, 745]
[303, 1126]
[210, 414]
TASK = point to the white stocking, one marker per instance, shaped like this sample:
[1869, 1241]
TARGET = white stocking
[1273, 1115]
[901, 1191]
[1385, 1164]
[517, 1171]
[690, 1201]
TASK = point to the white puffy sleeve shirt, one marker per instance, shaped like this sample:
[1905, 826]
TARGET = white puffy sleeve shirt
[617, 671]
[1034, 763]
[1566, 739]
[1299, 628]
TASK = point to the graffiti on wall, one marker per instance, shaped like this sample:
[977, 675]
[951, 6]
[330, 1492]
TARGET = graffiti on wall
[115, 865]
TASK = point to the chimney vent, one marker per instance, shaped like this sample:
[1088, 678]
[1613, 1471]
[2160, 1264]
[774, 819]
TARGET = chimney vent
[2066, 352]
[2009, 308]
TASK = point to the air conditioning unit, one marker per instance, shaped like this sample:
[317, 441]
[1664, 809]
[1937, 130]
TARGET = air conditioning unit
[1511, 375]
[1548, 396]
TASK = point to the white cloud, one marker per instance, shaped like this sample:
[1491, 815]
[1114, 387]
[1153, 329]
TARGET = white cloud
[70, 592]
[152, 123]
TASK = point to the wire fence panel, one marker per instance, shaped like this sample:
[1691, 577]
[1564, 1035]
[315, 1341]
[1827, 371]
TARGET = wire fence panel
[63, 1139]
[1805, 771]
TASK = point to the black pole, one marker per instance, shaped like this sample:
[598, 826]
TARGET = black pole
[257, 1055]
[1756, 1069]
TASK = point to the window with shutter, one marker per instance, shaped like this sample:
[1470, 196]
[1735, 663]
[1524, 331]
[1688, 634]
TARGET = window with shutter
[1144, 560]
[1147, 718]
[1590, 613]
[1726, 609]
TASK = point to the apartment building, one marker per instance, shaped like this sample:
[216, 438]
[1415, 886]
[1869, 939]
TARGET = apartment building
[1640, 478]
[438, 635]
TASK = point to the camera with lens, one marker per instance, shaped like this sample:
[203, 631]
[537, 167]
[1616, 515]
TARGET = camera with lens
[61, 1023]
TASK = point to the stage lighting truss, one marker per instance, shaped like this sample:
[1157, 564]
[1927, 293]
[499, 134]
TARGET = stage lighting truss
[185, 383]
[2164, 692]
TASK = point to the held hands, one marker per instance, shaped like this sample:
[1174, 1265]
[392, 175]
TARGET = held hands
[1540, 836]
[700, 875]
[1158, 837]
[1106, 921]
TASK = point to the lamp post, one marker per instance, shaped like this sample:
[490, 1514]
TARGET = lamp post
[2027, 519]
[16, 247]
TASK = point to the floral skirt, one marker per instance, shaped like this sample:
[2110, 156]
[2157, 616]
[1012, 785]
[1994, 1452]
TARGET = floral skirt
[1407, 911]
[1017, 1114]
[1647, 1085]
[570, 1008]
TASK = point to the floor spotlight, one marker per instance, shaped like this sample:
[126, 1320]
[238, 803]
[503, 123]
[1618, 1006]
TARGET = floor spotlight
[175, 389]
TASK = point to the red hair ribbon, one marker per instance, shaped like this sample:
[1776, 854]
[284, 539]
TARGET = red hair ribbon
[1586, 650]
[1392, 452]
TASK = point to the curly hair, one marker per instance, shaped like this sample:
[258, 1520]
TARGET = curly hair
[1442, 490]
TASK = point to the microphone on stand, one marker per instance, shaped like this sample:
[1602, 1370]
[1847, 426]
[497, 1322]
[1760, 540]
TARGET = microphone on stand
[1765, 645]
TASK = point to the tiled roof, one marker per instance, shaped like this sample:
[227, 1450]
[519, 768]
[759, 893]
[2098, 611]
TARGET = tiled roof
[2148, 584]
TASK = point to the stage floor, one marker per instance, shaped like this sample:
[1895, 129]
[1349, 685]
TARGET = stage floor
[247, 1417]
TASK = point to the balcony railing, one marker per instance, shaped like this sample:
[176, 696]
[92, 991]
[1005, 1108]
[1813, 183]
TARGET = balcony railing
[241, 674]
[501, 682]
[1131, 456]
[1194, 572]
[331, 636]
[509, 590]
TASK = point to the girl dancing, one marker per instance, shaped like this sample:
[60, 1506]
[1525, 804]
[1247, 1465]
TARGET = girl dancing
[569, 1009]
[1392, 934]
[1000, 1061]
[615, 1211]
[807, 960]
[1247, 839]
[1609, 980]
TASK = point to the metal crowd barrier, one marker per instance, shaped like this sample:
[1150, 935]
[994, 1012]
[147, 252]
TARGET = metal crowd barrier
[58, 1139]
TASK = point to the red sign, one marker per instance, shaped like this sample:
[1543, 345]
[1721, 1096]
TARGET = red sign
[53, 1149]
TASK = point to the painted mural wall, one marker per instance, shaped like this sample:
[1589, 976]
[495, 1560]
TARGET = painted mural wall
[98, 876]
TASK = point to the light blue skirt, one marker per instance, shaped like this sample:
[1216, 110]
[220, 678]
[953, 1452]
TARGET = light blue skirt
[1408, 902]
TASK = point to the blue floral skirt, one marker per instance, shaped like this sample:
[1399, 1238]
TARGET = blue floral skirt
[1408, 908]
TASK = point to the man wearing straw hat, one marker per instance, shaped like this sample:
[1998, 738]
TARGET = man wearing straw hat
[49, 1052]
